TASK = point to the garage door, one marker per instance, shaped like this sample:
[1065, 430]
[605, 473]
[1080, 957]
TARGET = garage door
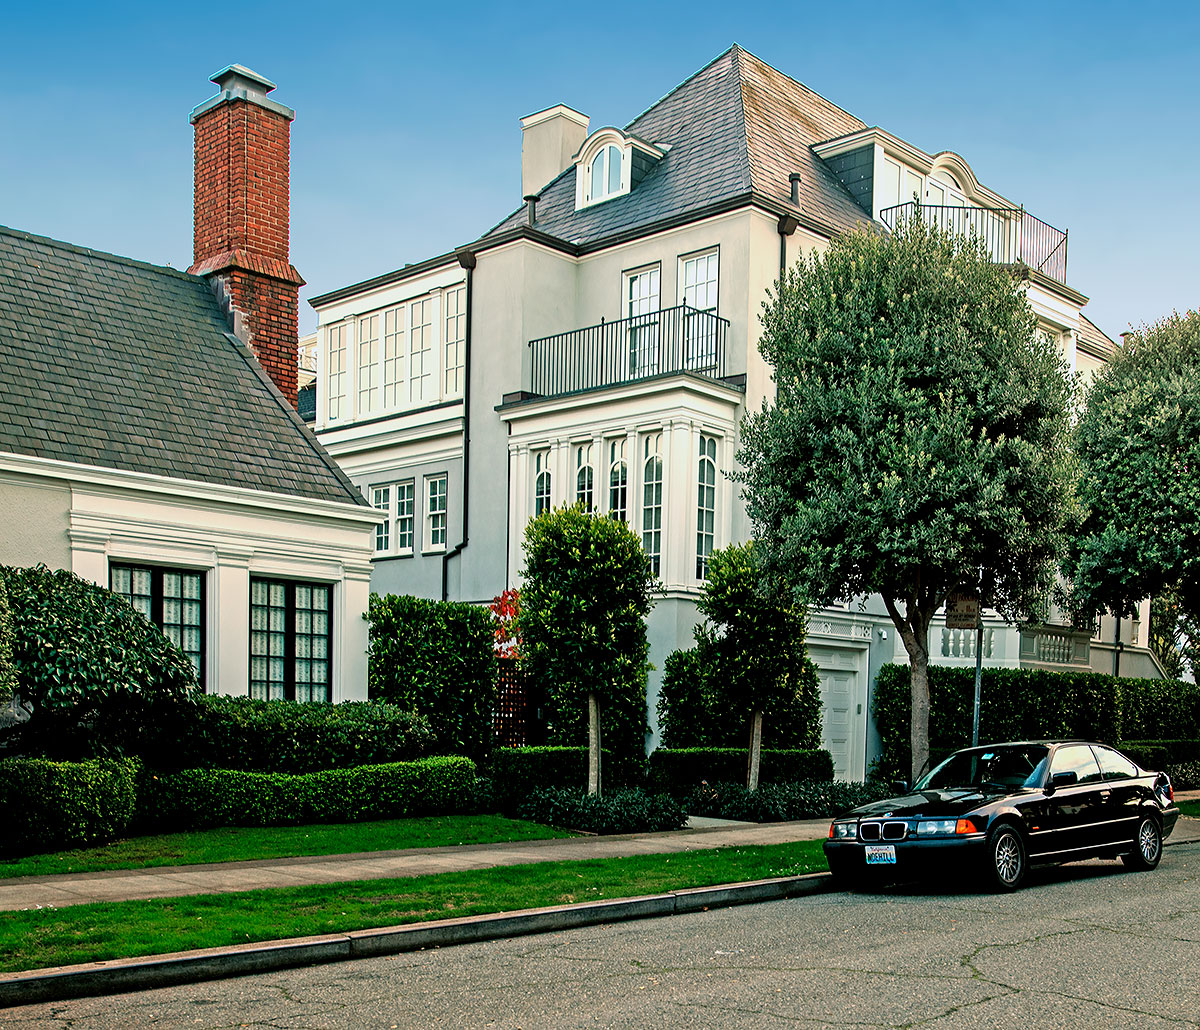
[843, 708]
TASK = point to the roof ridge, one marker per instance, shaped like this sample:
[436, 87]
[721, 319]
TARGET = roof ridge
[744, 135]
[675, 89]
[103, 255]
[803, 86]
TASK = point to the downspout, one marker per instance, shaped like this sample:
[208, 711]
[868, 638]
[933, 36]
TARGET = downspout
[466, 260]
[788, 223]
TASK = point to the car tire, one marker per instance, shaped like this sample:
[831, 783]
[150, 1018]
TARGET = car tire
[1007, 858]
[1147, 845]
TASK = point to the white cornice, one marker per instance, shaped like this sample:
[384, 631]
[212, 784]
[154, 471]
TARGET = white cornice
[192, 493]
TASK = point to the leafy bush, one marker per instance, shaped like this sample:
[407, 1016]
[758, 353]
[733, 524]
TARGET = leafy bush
[8, 674]
[778, 802]
[46, 805]
[1184, 775]
[627, 810]
[97, 673]
[1173, 751]
[678, 771]
[294, 737]
[437, 659]
[200, 798]
[694, 712]
[517, 771]
[1019, 704]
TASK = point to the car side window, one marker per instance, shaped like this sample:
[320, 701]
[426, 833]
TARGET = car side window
[1113, 765]
[1076, 758]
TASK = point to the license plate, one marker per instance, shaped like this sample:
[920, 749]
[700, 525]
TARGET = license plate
[881, 854]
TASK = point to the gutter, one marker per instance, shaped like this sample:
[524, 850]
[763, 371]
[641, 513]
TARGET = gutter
[466, 259]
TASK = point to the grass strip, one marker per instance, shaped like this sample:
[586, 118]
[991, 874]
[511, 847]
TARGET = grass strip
[239, 844]
[39, 938]
[1189, 808]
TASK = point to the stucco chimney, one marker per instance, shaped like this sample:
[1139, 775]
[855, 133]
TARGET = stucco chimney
[241, 237]
[549, 139]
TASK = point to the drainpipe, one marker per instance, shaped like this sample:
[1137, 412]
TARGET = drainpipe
[787, 225]
[466, 260]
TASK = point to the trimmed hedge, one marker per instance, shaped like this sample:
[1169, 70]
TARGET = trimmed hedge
[517, 771]
[1174, 752]
[97, 673]
[1021, 704]
[8, 672]
[47, 805]
[619, 811]
[203, 798]
[679, 770]
[294, 737]
[437, 659]
[779, 802]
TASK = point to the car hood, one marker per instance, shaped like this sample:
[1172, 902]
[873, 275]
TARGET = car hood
[933, 804]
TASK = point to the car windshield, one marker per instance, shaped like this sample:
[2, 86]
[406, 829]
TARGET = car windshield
[1009, 767]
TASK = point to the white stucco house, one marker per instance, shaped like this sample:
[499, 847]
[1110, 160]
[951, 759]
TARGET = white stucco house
[600, 345]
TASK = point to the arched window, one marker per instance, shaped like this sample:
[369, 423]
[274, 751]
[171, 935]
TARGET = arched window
[618, 481]
[604, 175]
[652, 496]
[541, 484]
[585, 477]
[706, 504]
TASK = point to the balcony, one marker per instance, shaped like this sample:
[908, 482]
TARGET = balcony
[1011, 234]
[679, 339]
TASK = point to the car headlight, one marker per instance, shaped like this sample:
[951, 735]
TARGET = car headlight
[843, 831]
[936, 827]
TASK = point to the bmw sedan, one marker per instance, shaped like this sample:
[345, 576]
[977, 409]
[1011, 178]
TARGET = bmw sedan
[997, 810]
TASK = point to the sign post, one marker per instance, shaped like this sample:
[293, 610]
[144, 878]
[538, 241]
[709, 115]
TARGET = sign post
[962, 612]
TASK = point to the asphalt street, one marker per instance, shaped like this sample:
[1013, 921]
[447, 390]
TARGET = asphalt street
[1088, 946]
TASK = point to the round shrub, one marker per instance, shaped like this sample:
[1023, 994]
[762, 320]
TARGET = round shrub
[629, 810]
[97, 673]
[781, 802]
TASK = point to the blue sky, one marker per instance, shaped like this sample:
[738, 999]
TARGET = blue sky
[407, 138]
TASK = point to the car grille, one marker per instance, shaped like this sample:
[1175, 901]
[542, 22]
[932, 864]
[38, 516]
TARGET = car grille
[891, 830]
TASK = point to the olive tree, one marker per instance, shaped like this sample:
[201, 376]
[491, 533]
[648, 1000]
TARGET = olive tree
[919, 439]
[582, 621]
[1139, 452]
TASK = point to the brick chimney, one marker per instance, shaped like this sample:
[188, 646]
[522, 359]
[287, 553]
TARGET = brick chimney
[243, 144]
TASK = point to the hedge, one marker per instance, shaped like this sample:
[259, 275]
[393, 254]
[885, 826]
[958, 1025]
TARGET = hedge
[627, 810]
[679, 770]
[202, 798]
[1021, 704]
[293, 737]
[47, 805]
[437, 659]
[8, 673]
[517, 771]
[778, 802]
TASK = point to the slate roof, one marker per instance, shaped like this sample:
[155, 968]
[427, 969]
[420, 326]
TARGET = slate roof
[115, 363]
[736, 127]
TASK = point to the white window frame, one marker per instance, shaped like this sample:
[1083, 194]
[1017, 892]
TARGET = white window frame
[617, 460]
[706, 529]
[405, 514]
[437, 519]
[652, 491]
[396, 499]
[337, 394]
[641, 305]
[543, 484]
[585, 495]
[604, 156]
[382, 500]
[454, 339]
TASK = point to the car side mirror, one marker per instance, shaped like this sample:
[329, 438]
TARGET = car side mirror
[1064, 779]
[899, 786]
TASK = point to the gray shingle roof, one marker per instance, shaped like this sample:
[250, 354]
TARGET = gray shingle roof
[114, 363]
[737, 126]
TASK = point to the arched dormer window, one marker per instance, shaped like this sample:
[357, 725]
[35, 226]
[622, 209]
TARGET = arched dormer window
[610, 164]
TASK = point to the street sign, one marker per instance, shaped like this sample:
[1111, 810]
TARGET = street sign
[962, 610]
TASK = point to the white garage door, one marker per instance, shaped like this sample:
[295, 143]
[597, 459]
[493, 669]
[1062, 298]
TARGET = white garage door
[843, 708]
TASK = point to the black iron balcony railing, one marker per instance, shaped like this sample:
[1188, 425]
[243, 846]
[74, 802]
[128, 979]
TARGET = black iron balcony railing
[680, 339]
[1011, 234]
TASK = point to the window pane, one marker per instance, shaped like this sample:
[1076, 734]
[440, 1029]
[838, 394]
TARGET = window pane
[420, 350]
[394, 350]
[614, 170]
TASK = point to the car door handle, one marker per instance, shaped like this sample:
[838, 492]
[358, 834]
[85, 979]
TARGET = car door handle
[1105, 795]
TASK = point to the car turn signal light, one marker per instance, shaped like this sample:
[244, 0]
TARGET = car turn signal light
[965, 826]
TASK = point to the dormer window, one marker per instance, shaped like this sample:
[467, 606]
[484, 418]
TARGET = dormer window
[611, 164]
[604, 179]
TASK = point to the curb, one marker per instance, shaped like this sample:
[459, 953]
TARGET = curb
[138, 974]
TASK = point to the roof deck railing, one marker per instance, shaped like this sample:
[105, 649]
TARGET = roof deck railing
[679, 339]
[1011, 234]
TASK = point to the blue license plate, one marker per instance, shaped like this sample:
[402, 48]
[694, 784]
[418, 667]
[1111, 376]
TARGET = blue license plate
[881, 854]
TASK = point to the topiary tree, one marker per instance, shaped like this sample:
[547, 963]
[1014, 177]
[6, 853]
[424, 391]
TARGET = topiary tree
[919, 440]
[437, 659]
[752, 647]
[1139, 450]
[8, 674]
[100, 677]
[583, 630]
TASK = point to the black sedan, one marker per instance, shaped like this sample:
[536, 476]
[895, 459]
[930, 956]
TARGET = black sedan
[999, 809]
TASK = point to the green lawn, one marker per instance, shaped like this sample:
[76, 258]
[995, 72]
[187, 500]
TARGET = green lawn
[232, 844]
[1190, 808]
[50, 937]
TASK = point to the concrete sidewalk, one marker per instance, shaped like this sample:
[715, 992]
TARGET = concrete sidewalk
[221, 878]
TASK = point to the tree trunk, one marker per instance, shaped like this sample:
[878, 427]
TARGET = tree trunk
[755, 751]
[913, 628]
[593, 744]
